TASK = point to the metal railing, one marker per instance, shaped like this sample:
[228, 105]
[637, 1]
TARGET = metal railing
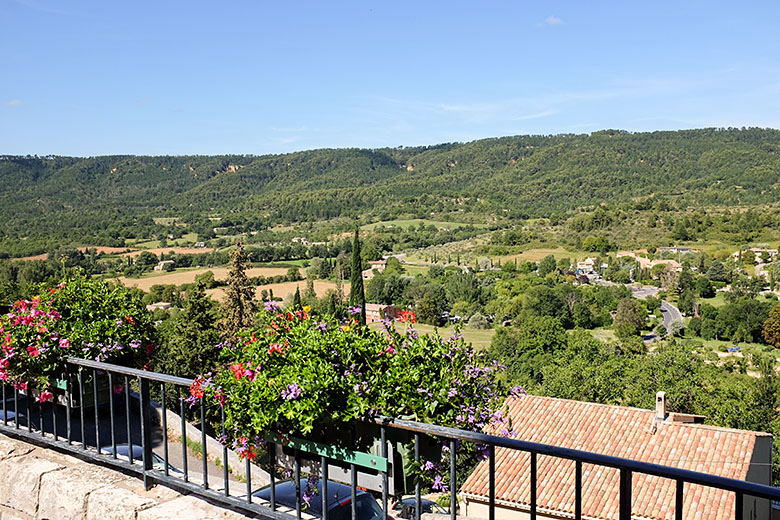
[122, 417]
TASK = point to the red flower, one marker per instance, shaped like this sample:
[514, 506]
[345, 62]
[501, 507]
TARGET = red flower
[238, 370]
[196, 388]
[407, 316]
[275, 347]
[130, 320]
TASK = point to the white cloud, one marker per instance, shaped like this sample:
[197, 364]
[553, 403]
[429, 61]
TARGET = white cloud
[553, 20]
[14, 102]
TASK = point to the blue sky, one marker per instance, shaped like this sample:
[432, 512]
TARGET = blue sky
[191, 77]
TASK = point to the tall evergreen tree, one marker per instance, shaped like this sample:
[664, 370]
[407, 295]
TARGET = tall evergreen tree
[239, 305]
[297, 299]
[190, 346]
[357, 296]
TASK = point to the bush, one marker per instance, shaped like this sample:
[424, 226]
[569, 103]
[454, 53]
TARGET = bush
[81, 318]
[298, 375]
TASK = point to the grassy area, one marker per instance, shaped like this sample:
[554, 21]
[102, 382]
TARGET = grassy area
[186, 240]
[718, 301]
[604, 334]
[480, 339]
[535, 255]
[417, 222]
[286, 263]
[417, 269]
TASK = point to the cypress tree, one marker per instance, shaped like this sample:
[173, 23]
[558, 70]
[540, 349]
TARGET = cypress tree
[297, 299]
[239, 306]
[357, 297]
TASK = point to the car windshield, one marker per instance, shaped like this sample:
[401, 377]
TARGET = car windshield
[367, 509]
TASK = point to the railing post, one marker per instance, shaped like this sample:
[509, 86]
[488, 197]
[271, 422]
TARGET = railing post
[625, 494]
[678, 500]
[146, 429]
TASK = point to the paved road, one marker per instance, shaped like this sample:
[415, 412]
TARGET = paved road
[670, 313]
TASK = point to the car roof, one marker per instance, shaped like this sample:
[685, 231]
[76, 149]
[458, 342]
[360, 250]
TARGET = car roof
[285, 494]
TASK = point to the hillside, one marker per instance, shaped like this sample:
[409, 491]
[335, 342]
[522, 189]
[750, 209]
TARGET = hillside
[104, 199]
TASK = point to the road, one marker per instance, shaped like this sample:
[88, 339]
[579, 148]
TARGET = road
[670, 313]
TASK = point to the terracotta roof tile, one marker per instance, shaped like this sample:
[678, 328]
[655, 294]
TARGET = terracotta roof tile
[621, 432]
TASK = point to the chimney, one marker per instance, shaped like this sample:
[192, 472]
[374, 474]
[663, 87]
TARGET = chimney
[660, 406]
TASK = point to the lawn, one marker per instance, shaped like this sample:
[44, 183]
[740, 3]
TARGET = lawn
[535, 255]
[718, 301]
[479, 338]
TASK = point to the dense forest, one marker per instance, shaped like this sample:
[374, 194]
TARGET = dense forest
[103, 200]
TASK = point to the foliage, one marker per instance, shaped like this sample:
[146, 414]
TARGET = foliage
[770, 331]
[357, 295]
[82, 318]
[630, 312]
[297, 375]
[191, 337]
[239, 305]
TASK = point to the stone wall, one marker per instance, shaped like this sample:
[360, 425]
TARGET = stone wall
[44, 484]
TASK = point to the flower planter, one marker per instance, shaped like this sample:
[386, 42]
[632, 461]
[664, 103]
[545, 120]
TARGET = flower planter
[63, 397]
[339, 447]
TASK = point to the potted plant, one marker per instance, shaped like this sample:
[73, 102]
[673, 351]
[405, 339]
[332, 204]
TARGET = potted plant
[82, 318]
[317, 378]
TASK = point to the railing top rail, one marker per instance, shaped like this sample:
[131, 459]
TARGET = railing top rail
[695, 477]
[134, 372]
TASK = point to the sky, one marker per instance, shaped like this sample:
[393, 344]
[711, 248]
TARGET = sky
[86, 78]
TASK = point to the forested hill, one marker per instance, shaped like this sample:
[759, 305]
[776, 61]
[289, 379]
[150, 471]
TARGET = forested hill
[515, 176]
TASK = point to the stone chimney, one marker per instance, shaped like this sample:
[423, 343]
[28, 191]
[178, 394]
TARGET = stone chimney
[660, 406]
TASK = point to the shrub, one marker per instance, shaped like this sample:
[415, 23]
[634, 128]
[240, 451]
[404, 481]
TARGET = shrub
[81, 318]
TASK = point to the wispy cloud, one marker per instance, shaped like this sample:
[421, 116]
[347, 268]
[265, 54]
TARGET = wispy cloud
[14, 102]
[553, 20]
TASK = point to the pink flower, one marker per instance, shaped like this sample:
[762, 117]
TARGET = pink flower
[118, 389]
[64, 343]
[33, 351]
[45, 396]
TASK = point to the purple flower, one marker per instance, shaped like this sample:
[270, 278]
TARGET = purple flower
[439, 485]
[271, 306]
[292, 391]
[517, 391]
[412, 333]
[354, 310]
[321, 325]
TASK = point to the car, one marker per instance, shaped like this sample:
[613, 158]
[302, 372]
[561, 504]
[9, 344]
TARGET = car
[339, 500]
[405, 507]
[122, 450]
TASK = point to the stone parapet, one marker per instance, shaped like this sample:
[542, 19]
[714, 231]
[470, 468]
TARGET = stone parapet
[44, 484]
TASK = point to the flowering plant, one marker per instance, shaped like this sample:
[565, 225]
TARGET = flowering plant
[298, 375]
[82, 318]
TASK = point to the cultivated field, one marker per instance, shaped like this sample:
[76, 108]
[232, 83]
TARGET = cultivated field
[179, 277]
[166, 250]
[283, 290]
[83, 249]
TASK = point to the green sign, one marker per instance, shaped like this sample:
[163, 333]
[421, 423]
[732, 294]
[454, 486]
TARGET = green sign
[357, 458]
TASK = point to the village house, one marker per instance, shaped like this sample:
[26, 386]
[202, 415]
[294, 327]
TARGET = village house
[586, 266]
[375, 266]
[377, 312]
[654, 436]
[162, 266]
[646, 263]
[682, 250]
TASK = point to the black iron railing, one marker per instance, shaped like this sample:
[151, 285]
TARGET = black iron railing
[115, 414]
